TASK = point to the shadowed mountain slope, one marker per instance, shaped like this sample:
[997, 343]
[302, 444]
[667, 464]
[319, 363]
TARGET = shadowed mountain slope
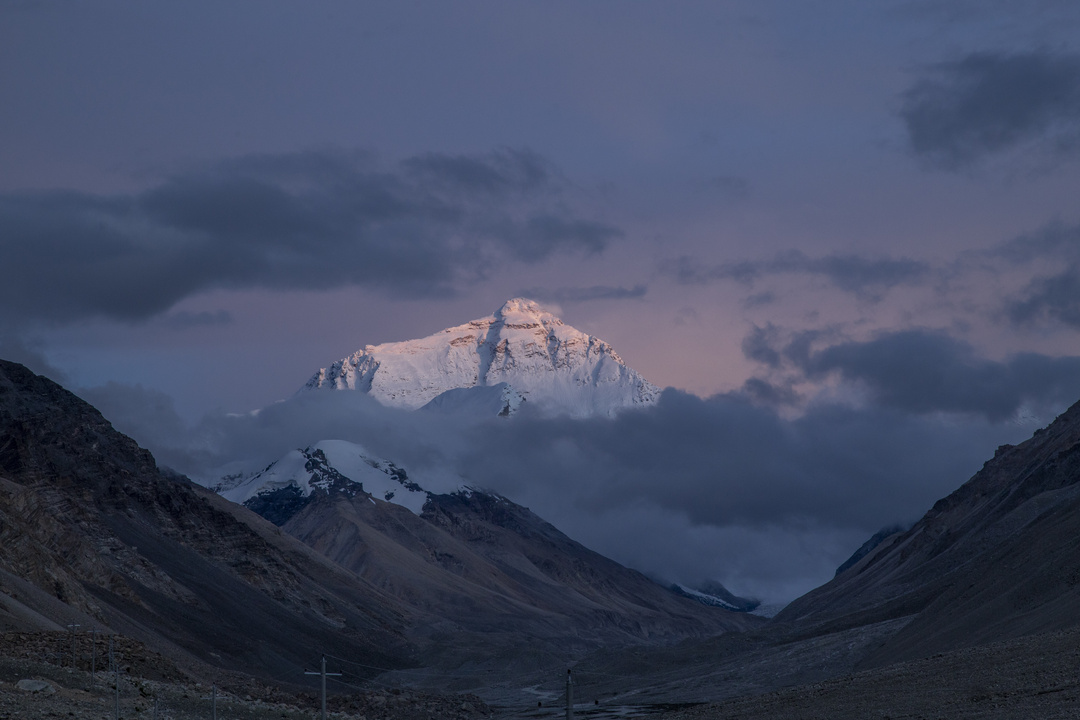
[996, 563]
[998, 558]
[92, 532]
[484, 568]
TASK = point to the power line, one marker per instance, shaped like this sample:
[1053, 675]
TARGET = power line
[438, 674]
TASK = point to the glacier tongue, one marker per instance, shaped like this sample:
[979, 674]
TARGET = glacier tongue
[558, 369]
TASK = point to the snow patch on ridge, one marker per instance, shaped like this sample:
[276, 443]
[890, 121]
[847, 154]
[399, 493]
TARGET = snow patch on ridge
[716, 595]
[328, 465]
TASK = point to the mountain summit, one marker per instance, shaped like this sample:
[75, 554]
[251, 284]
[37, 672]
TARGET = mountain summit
[536, 355]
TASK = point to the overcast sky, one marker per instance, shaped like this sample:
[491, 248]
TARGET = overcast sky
[851, 226]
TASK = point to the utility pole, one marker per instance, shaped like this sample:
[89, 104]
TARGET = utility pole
[323, 673]
[73, 625]
[114, 661]
[569, 696]
[212, 699]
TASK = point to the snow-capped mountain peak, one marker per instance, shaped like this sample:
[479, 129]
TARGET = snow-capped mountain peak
[328, 466]
[554, 366]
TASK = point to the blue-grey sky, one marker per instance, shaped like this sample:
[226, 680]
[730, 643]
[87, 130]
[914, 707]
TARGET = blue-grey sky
[801, 205]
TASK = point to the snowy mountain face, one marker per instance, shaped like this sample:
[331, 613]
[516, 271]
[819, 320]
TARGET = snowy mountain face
[553, 366]
[500, 400]
[332, 466]
[716, 595]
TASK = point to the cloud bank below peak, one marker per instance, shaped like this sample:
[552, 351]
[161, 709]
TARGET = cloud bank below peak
[733, 488]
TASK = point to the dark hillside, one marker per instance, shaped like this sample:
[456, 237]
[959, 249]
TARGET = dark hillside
[996, 559]
[91, 531]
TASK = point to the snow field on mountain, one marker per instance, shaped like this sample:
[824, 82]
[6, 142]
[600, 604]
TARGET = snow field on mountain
[558, 369]
[349, 459]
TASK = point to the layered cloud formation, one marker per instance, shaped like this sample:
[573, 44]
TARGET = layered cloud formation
[316, 221]
[733, 487]
[850, 228]
[960, 112]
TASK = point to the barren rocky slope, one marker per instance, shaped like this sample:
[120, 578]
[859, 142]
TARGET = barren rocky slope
[37, 680]
[487, 573]
[996, 563]
[92, 532]
[998, 558]
[1030, 677]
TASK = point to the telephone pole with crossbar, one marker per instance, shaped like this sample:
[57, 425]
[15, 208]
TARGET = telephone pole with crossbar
[323, 673]
[74, 626]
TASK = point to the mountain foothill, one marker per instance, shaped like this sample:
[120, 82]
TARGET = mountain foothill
[334, 551]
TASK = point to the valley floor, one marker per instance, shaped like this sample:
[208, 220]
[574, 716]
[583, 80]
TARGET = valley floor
[33, 688]
[1032, 677]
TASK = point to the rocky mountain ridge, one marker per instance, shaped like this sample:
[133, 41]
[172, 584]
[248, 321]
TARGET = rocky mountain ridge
[492, 572]
[287, 484]
[482, 564]
[996, 559]
[994, 564]
[92, 532]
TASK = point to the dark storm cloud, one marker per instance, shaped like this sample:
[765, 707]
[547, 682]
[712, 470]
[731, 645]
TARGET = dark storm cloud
[587, 294]
[502, 173]
[1047, 297]
[759, 299]
[727, 461]
[926, 372]
[761, 346]
[864, 277]
[15, 347]
[1051, 297]
[773, 394]
[688, 489]
[185, 320]
[540, 236]
[957, 113]
[687, 463]
[147, 415]
[1055, 240]
[303, 221]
